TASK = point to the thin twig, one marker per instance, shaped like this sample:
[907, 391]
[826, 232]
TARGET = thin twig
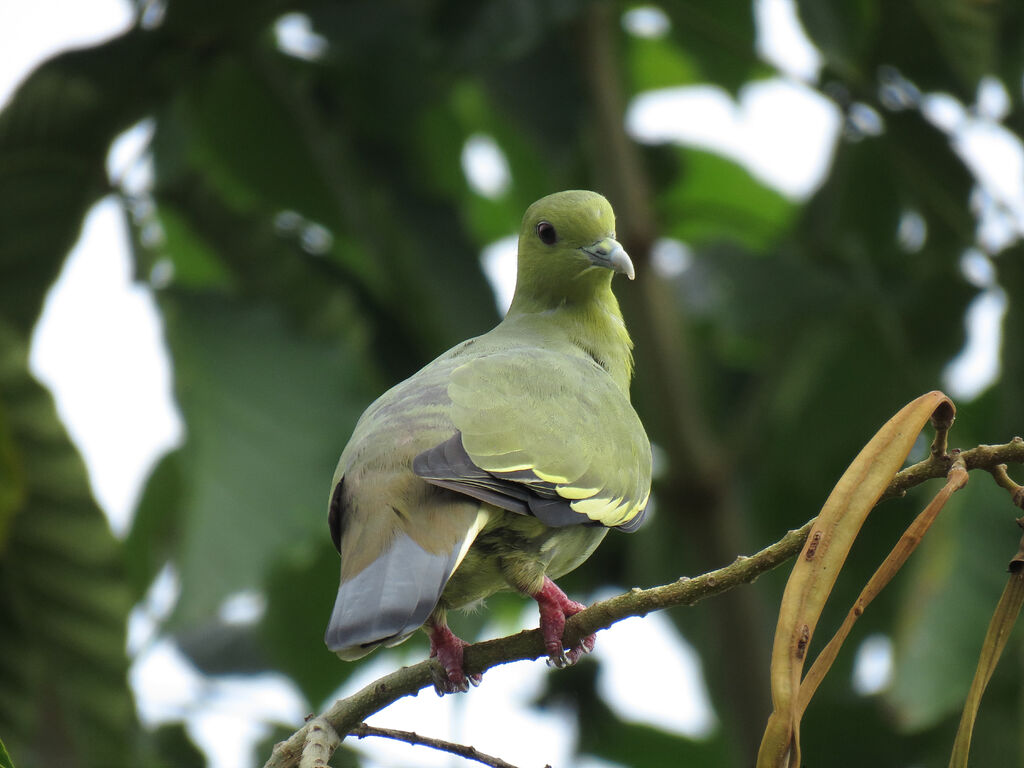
[982, 457]
[1003, 480]
[411, 737]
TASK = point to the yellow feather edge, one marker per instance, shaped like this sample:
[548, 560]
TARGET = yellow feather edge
[549, 478]
[482, 516]
[571, 492]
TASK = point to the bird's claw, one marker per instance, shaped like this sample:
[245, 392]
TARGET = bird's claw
[560, 658]
[449, 676]
[555, 608]
[452, 681]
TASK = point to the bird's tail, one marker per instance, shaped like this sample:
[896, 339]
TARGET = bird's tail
[389, 599]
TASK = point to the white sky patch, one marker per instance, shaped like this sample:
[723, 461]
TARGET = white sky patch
[782, 42]
[295, 37]
[872, 666]
[943, 111]
[646, 21]
[670, 258]
[977, 366]
[674, 697]
[246, 607]
[129, 163]
[225, 716]
[507, 692]
[784, 132]
[996, 158]
[99, 348]
[912, 232]
[978, 269]
[993, 100]
[145, 617]
[32, 32]
[485, 166]
[994, 155]
[499, 263]
[236, 716]
[165, 682]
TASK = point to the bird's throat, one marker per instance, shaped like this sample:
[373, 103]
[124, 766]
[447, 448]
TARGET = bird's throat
[594, 326]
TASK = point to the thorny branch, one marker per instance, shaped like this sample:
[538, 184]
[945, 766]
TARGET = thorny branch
[346, 714]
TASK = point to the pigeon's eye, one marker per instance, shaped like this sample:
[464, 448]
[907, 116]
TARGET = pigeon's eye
[546, 233]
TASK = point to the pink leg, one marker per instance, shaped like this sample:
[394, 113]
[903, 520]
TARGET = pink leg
[447, 648]
[555, 608]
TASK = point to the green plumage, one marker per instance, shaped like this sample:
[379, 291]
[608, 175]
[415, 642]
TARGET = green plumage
[502, 463]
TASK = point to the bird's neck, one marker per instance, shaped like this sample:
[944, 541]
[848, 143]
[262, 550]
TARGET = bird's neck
[594, 326]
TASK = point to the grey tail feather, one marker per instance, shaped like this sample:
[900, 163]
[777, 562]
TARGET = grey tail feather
[389, 599]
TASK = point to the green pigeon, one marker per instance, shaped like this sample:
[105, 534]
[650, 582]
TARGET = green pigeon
[504, 462]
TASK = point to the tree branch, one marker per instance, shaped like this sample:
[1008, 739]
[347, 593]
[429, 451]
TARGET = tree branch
[346, 714]
[321, 741]
[985, 457]
[410, 737]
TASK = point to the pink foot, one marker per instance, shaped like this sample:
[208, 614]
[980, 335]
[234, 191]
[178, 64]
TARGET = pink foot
[555, 608]
[447, 649]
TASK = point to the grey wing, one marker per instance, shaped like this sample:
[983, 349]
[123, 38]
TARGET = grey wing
[449, 466]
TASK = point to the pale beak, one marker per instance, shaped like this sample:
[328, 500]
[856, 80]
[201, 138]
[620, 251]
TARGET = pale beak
[608, 253]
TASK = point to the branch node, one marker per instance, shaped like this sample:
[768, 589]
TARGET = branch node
[957, 474]
[1017, 561]
[942, 419]
[321, 740]
[1003, 480]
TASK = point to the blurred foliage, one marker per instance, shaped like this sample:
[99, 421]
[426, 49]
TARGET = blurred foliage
[311, 237]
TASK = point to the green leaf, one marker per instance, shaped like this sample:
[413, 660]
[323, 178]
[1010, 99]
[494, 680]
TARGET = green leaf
[657, 62]
[155, 530]
[64, 601]
[5, 759]
[717, 199]
[177, 750]
[246, 137]
[943, 45]
[196, 264]
[842, 31]
[268, 412]
[54, 135]
[719, 37]
[300, 594]
[966, 34]
[962, 562]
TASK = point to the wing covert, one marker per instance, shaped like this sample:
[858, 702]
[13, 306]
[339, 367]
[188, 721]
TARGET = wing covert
[545, 434]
